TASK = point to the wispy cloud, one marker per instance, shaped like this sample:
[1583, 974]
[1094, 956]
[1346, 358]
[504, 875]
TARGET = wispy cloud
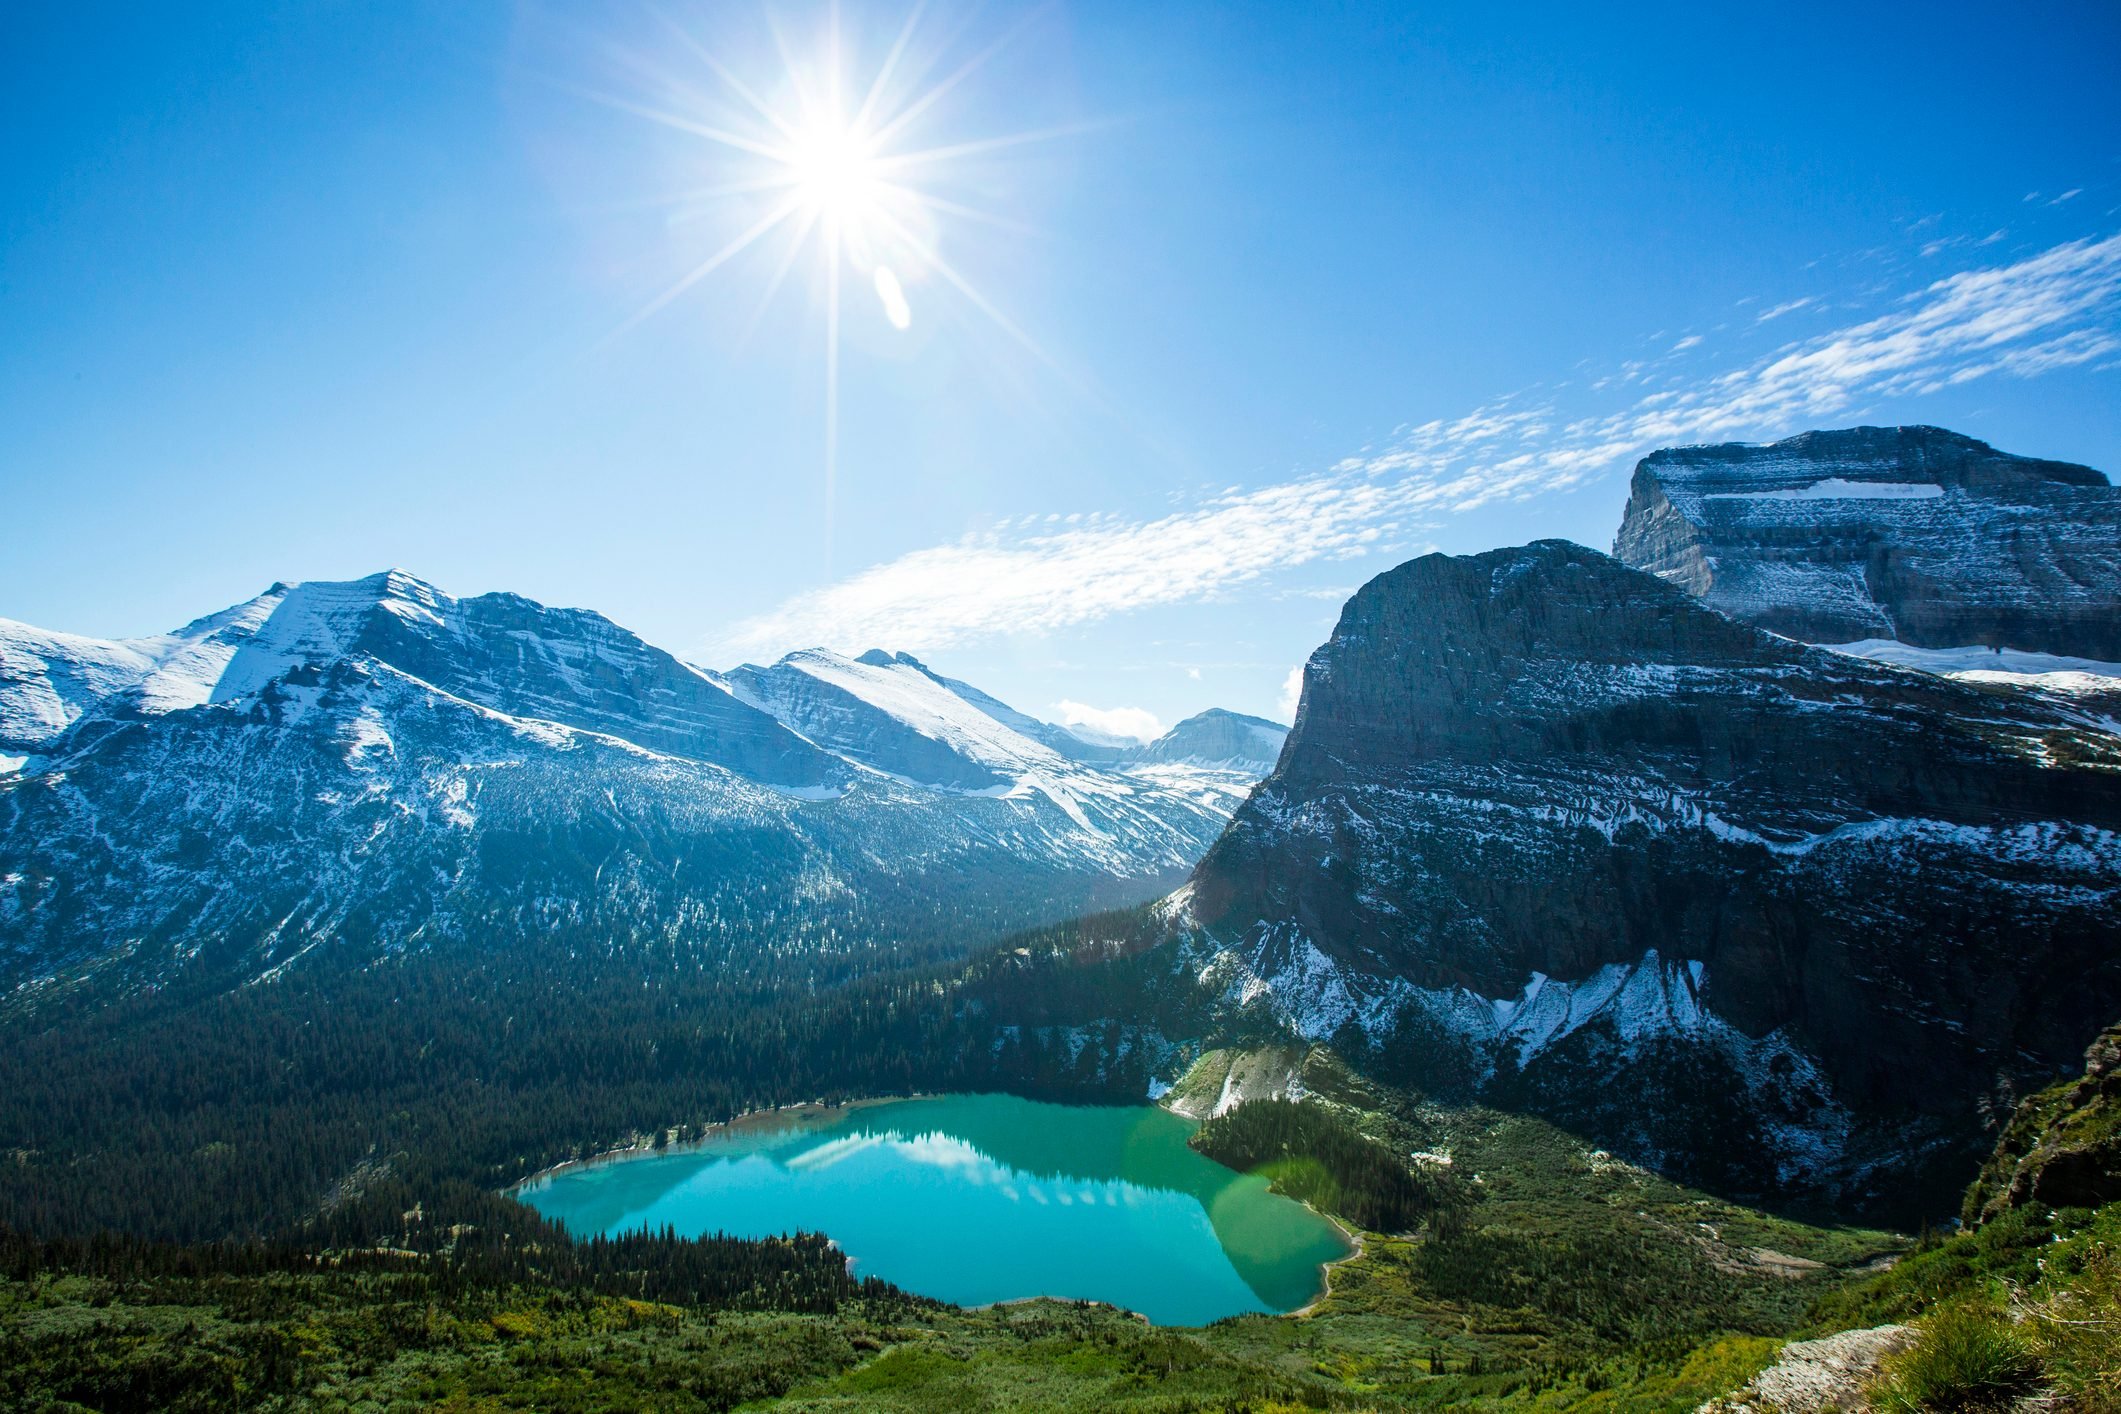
[2049, 311]
[1017, 582]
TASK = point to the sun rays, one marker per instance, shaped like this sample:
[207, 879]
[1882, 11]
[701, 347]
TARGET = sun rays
[850, 176]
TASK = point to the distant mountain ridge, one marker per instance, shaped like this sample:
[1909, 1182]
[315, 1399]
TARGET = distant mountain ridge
[377, 763]
[1910, 534]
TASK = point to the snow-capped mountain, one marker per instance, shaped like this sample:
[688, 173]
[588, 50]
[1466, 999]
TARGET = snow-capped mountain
[1909, 534]
[378, 765]
[569, 667]
[1218, 737]
[892, 713]
[1549, 831]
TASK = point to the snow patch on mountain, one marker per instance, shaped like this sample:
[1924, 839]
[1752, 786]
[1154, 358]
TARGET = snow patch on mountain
[1316, 995]
[1631, 1006]
[1835, 488]
[1977, 663]
[910, 697]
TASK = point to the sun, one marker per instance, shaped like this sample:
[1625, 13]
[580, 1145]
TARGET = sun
[836, 173]
[854, 175]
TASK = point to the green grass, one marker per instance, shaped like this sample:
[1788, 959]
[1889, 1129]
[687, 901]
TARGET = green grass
[1967, 1356]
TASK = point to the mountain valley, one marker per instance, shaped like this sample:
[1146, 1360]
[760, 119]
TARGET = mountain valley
[1636, 956]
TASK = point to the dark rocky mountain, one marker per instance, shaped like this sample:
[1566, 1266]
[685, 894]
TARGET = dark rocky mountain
[1548, 830]
[380, 766]
[1912, 534]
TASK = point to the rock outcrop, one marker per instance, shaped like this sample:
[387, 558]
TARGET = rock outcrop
[1548, 829]
[2062, 1149]
[1824, 1376]
[1913, 534]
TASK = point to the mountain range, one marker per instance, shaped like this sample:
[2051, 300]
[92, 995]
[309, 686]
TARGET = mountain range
[1781, 850]
[381, 765]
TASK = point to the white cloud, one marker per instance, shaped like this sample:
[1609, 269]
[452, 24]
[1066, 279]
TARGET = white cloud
[1688, 342]
[1292, 692]
[1130, 723]
[2049, 311]
[997, 583]
[1781, 309]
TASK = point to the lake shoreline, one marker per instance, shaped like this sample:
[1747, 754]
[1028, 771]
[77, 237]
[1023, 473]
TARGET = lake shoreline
[799, 1115]
[1356, 1248]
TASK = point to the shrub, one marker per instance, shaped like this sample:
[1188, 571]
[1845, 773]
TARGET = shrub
[1966, 1357]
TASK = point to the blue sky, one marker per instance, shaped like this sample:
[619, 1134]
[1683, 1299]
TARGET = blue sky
[1285, 294]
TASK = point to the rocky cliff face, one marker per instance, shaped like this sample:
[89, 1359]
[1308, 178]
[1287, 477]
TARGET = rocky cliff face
[1912, 534]
[376, 765]
[1547, 828]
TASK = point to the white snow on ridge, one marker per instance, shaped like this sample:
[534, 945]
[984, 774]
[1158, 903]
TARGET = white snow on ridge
[1637, 1002]
[48, 680]
[914, 699]
[1835, 488]
[1317, 995]
[1640, 998]
[1975, 663]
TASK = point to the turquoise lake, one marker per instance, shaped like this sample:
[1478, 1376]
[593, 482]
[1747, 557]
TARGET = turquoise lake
[981, 1198]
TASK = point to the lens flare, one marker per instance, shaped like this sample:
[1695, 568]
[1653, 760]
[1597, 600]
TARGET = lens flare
[896, 309]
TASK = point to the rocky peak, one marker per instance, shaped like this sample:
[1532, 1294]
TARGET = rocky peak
[1913, 534]
[1217, 737]
[1454, 655]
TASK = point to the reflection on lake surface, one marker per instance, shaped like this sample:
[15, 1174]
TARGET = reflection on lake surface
[982, 1198]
